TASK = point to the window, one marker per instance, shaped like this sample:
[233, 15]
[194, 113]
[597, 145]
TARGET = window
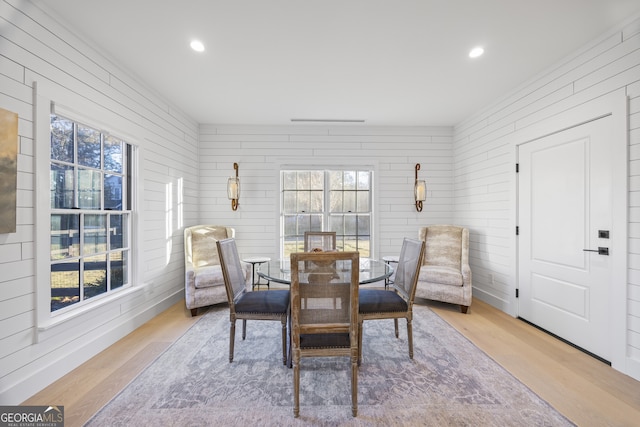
[90, 200]
[326, 200]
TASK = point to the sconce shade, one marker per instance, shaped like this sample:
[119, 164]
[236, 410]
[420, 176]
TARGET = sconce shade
[421, 191]
[233, 189]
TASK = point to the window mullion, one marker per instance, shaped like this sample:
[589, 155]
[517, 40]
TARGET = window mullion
[108, 252]
[102, 171]
[82, 258]
[76, 169]
[327, 201]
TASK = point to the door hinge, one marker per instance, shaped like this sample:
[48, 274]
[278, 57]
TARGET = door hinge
[517, 293]
[517, 230]
[517, 167]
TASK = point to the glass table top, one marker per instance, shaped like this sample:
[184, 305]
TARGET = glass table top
[279, 271]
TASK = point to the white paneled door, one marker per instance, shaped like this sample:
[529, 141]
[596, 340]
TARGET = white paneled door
[565, 220]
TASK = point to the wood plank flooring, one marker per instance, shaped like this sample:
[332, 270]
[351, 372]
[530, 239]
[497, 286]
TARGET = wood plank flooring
[585, 390]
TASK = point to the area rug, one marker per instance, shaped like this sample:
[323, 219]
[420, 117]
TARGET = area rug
[450, 382]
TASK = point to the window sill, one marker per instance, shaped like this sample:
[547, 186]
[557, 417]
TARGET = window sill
[50, 327]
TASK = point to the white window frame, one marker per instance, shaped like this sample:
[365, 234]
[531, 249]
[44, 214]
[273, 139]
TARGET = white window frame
[128, 181]
[50, 98]
[326, 215]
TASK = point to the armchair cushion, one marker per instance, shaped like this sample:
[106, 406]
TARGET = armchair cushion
[203, 245]
[444, 246]
[206, 277]
[441, 274]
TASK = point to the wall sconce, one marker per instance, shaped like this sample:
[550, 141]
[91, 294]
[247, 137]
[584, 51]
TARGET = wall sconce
[420, 190]
[233, 189]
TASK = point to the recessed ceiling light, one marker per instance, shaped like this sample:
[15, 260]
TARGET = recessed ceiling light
[197, 45]
[476, 52]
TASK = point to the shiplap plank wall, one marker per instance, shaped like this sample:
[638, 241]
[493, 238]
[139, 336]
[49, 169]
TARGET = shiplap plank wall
[261, 150]
[34, 47]
[469, 184]
[484, 169]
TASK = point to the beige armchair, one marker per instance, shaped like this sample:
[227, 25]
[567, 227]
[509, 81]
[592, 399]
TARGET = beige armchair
[445, 274]
[203, 280]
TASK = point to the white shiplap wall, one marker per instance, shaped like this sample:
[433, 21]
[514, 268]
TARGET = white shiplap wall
[474, 192]
[260, 152]
[36, 48]
[484, 173]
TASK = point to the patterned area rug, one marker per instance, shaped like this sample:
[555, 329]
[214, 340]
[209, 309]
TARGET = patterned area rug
[450, 382]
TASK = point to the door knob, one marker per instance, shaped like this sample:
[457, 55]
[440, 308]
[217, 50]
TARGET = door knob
[600, 250]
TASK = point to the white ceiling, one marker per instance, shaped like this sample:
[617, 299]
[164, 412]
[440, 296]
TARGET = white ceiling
[388, 62]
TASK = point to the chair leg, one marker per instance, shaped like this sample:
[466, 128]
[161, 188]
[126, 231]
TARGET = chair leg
[244, 329]
[354, 387]
[296, 386]
[232, 336]
[290, 343]
[410, 337]
[395, 323]
[284, 341]
[194, 312]
[360, 325]
[464, 309]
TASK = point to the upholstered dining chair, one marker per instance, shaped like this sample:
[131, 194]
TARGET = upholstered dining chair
[327, 324]
[325, 240]
[396, 301]
[445, 274]
[247, 305]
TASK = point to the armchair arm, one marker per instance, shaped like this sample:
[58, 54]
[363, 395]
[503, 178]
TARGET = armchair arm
[464, 261]
[189, 286]
[466, 275]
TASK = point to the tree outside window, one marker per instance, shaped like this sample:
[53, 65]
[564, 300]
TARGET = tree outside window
[90, 213]
[326, 200]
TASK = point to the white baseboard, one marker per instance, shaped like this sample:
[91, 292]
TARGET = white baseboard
[499, 303]
[632, 368]
[34, 382]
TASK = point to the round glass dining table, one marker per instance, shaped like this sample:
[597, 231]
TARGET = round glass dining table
[279, 271]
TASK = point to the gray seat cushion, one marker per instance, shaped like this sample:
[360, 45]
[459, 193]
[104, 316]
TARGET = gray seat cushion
[271, 302]
[380, 301]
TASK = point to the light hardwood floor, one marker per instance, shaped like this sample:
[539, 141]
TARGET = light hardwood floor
[586, 391]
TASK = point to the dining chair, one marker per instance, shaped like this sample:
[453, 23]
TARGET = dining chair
[397, 301]
[245, 304]
[320, 327]
[324, 240]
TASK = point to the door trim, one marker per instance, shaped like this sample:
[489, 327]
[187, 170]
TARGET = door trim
[616, 105]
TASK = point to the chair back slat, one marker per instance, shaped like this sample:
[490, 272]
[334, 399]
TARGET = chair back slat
[232, 270]
[324, 292]
[324, 240]
[408, 268]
